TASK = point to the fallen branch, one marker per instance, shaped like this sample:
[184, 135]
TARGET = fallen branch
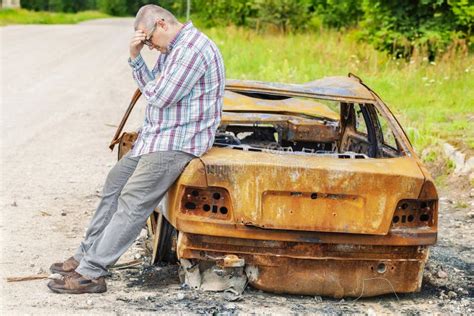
[28, 278]
[119, 266]
[126, 265]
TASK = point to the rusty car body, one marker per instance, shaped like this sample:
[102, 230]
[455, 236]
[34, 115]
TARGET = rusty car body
[312, 188]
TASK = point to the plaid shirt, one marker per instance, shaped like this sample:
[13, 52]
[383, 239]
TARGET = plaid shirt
[184, 92]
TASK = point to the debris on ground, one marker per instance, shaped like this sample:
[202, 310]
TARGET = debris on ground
[27, 278]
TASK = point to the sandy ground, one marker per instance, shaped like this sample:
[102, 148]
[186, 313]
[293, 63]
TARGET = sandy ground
[63, 89]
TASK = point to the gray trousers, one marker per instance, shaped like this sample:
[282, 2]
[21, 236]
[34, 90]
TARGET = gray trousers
[134, 187]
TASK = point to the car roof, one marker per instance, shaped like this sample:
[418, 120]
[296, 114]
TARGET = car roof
[235, 102]
[337, 88]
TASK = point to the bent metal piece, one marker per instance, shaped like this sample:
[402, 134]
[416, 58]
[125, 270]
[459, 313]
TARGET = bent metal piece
[134, 100]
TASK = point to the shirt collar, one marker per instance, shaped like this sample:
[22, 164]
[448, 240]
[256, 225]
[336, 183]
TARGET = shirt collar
[186, 26]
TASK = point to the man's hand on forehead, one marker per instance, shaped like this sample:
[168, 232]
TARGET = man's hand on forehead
[136, 44]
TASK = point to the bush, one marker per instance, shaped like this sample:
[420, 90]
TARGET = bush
[224, 12]
[130, 7]
[404, 28]
[338, 14]
[285, 14]
[59, 5]
[412, 27]
[113, 7]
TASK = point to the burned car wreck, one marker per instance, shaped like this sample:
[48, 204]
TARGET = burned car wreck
[309, 189]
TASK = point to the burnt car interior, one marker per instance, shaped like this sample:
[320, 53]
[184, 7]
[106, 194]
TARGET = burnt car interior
[359, 133]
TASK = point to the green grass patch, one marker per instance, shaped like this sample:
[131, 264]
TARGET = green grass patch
[21, 16]
[431, 100]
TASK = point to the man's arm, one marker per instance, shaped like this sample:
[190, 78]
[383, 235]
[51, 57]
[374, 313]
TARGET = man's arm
[141, 73]
[185, 66]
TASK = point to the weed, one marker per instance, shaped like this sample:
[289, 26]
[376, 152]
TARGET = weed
[461, 204]
[450, 166]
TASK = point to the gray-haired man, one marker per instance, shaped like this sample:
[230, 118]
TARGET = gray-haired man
[184, 92]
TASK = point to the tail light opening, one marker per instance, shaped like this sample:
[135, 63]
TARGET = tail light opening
[212, 202]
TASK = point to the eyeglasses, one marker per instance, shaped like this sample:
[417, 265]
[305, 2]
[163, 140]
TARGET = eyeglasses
[147, 41]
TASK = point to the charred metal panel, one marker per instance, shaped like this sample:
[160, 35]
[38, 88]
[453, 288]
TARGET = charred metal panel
[330, 88]
[234, 102]
[399, 237]
[294, 128]
[316, 269]
[125, 143]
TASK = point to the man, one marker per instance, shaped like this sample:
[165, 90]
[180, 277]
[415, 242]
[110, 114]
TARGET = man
[184, 92]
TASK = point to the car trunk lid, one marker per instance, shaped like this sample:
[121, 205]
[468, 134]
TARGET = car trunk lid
[311, 192]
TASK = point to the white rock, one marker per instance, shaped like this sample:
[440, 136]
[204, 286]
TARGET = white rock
[230, 306]
[180, 296]
[89, 302]
[462, 165]
[442, 275]
[468, 166]
[448, 149]
[55, 276]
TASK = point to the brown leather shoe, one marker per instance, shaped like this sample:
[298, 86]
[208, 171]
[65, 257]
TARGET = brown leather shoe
[74, 283]
[64, 268]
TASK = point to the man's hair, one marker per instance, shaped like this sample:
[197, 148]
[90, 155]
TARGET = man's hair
[148, 14]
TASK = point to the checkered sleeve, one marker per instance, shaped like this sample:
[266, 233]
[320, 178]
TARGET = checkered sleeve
[141, 73]
[186, 66]
[156, 69]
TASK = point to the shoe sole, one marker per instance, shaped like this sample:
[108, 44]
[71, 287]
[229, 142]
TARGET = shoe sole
[92, 290]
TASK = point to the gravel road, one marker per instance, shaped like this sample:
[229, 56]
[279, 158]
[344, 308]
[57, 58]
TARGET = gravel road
[63, 90]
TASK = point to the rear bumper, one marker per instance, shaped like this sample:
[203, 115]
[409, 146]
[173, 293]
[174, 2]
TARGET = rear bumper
[335, 270]
[400, 237]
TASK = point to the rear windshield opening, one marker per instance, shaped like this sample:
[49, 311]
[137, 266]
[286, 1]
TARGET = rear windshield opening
[342, 130]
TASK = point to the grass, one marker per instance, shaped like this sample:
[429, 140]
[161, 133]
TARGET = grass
[432, 101]
[21, 16]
